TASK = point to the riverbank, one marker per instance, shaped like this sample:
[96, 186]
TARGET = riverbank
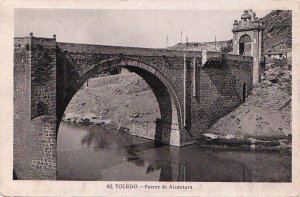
[207, 140]
[127, 103]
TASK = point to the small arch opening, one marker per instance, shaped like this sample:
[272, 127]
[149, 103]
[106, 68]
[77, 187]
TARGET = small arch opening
[245, 45]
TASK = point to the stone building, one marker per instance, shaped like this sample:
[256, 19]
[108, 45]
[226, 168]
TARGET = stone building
[279, 54]
[247, 40]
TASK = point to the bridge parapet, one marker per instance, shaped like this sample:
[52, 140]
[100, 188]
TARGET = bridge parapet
[133, 51]
[238, 58]
[21, 42]
[218, 58]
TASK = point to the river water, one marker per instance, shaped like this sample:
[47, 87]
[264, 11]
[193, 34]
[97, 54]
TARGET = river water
[99, 153]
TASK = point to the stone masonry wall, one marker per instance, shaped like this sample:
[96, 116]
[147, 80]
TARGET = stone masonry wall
[34, 126]
[43, 77]
[43, 147]
[22, 104]
[220, 91]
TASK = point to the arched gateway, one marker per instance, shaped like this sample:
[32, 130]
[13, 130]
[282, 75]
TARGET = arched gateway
[245, 45]
[193, 89]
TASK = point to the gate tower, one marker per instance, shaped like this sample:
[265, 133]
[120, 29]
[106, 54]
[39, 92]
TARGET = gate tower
[247, 40]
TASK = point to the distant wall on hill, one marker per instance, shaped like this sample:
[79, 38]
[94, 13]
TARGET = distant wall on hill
[224, 46]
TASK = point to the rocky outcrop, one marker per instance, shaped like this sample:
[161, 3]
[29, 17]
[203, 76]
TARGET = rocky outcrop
[264, 120]
[278, 73]
[87, 119]
[277, 33]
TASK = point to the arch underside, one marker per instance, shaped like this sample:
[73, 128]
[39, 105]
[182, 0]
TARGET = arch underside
[169, 126]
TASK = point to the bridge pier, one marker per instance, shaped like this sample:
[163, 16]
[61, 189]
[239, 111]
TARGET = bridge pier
[172, 135]
[178, 136]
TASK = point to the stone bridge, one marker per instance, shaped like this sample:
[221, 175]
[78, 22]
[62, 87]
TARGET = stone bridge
[193, 89]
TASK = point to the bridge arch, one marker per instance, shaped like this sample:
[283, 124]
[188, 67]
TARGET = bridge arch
[245, 45]
[171, 123]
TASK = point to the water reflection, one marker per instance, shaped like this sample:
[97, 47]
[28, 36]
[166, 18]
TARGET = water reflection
[93, 153]
[92, 139]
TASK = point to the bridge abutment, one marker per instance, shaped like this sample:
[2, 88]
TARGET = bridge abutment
[35, 119]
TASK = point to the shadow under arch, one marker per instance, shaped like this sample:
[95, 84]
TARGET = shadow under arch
[170, 110]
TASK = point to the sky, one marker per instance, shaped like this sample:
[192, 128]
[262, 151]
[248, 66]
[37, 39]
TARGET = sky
[136, 28]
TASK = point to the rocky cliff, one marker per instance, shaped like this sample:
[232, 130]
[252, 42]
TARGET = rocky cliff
[277, 33]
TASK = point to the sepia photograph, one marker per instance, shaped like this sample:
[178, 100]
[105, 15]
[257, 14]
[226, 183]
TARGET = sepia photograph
[149, 98]
[155, 95]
